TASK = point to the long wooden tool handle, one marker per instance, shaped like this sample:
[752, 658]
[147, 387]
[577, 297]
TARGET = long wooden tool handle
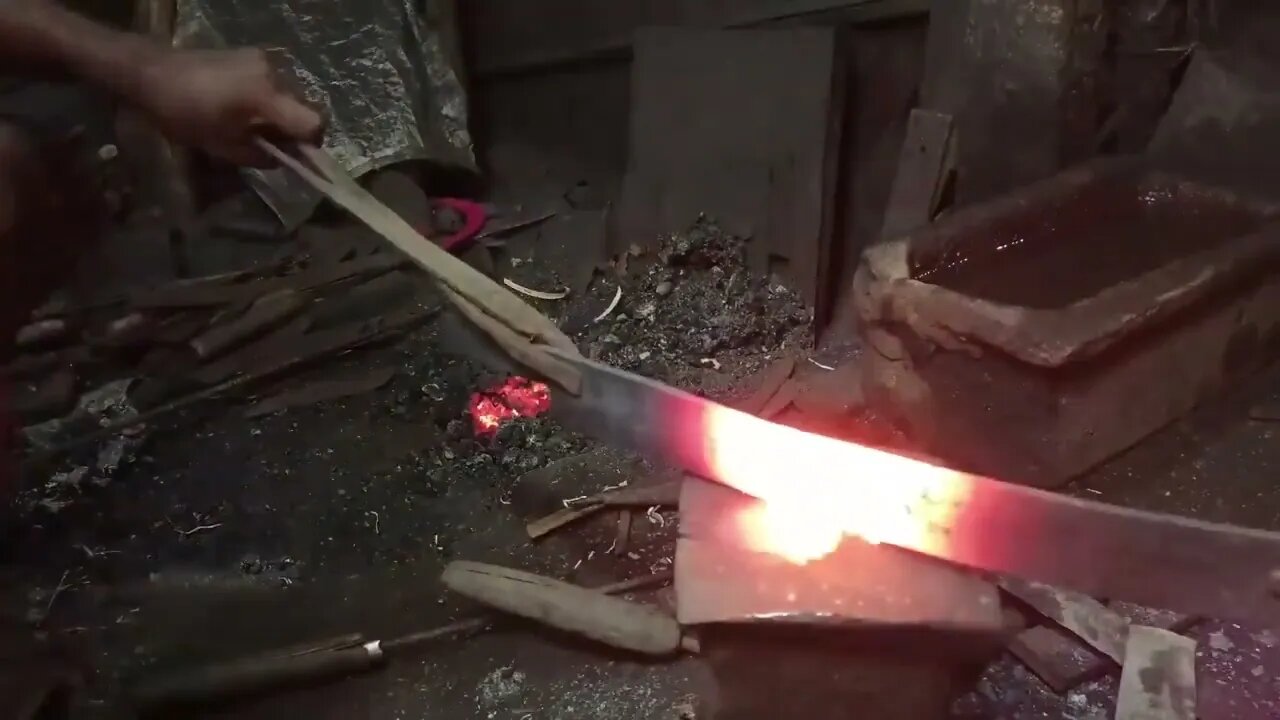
[241, 679]
[460, 277]
[590, 613]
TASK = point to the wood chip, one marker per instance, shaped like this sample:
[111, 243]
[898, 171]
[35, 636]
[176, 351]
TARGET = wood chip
[540, 294]
[1159, 677]
[617, 296]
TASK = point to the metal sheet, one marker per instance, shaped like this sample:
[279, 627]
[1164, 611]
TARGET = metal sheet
[385, 73]
[862, 585]
[1102, 550]
[1159, 676]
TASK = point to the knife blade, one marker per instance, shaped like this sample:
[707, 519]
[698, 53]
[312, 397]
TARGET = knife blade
[1153, 559]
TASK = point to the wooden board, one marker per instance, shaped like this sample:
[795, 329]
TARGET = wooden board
[737, 120]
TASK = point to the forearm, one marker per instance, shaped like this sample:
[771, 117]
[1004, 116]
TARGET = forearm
[43, 34]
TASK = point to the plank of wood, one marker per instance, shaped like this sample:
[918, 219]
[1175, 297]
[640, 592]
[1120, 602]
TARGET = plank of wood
[1159, 677]
[590, 613]
[921, 170]
[1086, 618]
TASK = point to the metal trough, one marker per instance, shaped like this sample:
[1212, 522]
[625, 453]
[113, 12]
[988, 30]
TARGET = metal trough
[1034, 336]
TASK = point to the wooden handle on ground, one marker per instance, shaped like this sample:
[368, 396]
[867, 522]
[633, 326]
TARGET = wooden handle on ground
[590, 613]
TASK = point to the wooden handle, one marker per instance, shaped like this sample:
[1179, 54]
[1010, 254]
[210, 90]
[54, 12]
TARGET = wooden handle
[241, 679]
[590, 613]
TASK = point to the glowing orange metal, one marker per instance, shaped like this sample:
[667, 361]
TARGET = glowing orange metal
[817, 489]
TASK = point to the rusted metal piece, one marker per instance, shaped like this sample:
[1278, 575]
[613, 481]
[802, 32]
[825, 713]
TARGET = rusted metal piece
[1086, 618]
[1063, 662]
[1037, 391]
[874, 587]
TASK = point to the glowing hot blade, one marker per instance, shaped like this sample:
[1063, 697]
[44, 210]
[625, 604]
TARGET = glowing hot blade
[817, 487]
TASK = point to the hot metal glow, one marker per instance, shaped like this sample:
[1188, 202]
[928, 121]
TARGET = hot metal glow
[515, 397]
[818, 489]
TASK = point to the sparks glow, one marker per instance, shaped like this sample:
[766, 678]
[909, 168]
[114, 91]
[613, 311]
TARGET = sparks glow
[514, 397]
[817, 489]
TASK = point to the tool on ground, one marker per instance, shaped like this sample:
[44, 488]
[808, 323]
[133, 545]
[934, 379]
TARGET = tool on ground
[518, 328]
[1153, 559]
[572, 608]
[309, 664]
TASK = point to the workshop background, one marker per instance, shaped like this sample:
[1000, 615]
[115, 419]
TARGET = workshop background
[1032, 239]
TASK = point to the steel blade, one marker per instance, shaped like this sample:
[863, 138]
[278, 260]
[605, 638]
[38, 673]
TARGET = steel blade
[1107, 551]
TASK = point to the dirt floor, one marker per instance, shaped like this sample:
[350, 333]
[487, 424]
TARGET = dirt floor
[230, 536]
[225, 536]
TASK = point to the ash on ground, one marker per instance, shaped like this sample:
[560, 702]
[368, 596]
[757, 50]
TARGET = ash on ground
[692, 314]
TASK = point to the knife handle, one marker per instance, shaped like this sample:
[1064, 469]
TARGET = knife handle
[248, 677]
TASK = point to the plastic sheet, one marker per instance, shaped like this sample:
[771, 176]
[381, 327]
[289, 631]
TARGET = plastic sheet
[385, 72]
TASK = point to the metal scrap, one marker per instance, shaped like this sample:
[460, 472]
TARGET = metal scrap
[1158, 681]
[1086, 618]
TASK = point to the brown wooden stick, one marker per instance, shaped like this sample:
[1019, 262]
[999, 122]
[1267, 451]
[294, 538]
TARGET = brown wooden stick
[519, 348]
[572, 608]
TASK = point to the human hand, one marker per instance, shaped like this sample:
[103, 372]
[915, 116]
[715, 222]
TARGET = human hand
[220, 100]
